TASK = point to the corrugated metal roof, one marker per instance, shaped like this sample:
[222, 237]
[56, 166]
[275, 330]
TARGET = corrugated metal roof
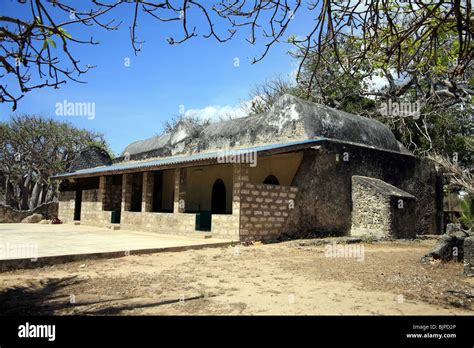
[175, 160]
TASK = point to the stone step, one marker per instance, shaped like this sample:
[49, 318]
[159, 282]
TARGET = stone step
[113, 227]
[202, 235]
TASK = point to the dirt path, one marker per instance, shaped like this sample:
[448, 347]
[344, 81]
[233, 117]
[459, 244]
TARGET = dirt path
[284, 278]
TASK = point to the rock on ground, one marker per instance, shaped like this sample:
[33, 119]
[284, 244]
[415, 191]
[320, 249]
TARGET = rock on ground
[32, 219]
[469, 256]
[450, 245]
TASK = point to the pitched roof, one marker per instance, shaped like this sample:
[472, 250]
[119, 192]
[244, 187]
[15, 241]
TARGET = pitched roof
[381, 186]
[289, 119]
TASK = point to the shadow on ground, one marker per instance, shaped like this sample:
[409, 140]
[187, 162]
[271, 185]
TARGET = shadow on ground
[50, 297]
[44, 298]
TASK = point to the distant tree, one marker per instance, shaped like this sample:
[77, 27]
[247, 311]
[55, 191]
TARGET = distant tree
[32, 149]
[170, 125]
[32, 45]
[263, 95]
[324, 80]
[459, 177]
[419, 75]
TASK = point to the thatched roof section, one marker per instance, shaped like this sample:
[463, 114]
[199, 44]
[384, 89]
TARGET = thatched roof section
[291, 118]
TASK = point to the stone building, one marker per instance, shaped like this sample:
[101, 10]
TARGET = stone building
[380, 209]
[300, 169]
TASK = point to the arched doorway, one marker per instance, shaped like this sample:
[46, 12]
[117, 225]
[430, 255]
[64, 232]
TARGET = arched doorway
[218, 197]
[271, 180]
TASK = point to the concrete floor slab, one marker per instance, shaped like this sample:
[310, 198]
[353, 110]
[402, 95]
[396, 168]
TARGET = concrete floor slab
[32, 245]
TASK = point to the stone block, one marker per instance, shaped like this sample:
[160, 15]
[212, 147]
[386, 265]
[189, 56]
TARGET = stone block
[468, 247]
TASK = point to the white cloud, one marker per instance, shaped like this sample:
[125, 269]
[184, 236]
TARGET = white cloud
[376, 82]
[215, 113]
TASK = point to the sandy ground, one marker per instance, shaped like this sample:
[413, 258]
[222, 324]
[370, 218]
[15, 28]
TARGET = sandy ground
[292, 277]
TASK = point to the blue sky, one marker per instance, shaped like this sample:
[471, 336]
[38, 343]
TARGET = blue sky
[131, 103]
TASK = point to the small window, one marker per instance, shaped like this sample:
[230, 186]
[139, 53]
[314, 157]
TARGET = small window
[271, 180]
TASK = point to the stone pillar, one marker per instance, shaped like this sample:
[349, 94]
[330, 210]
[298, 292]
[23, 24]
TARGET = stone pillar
[126, 192]
[240, 178]
[179, 190]
[147, 192]
[103, 193]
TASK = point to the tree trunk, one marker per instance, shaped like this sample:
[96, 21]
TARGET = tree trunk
[50, 193]
[25, 193]
[55, 190]
[7, 189]
[44, 190]
[34, 198]
[11, 196]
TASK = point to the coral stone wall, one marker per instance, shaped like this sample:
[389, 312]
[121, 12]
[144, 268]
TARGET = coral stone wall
[66, 206]
[91, 209]
[264, 210]
[164, 223]
[381, 210]
[371, 213]
[324, 202]
[225, 226]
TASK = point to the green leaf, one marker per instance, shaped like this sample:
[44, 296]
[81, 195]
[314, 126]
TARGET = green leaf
[51, 42]
[64, 33]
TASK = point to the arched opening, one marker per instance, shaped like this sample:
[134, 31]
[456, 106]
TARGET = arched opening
[271, 180]
[218, 197]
